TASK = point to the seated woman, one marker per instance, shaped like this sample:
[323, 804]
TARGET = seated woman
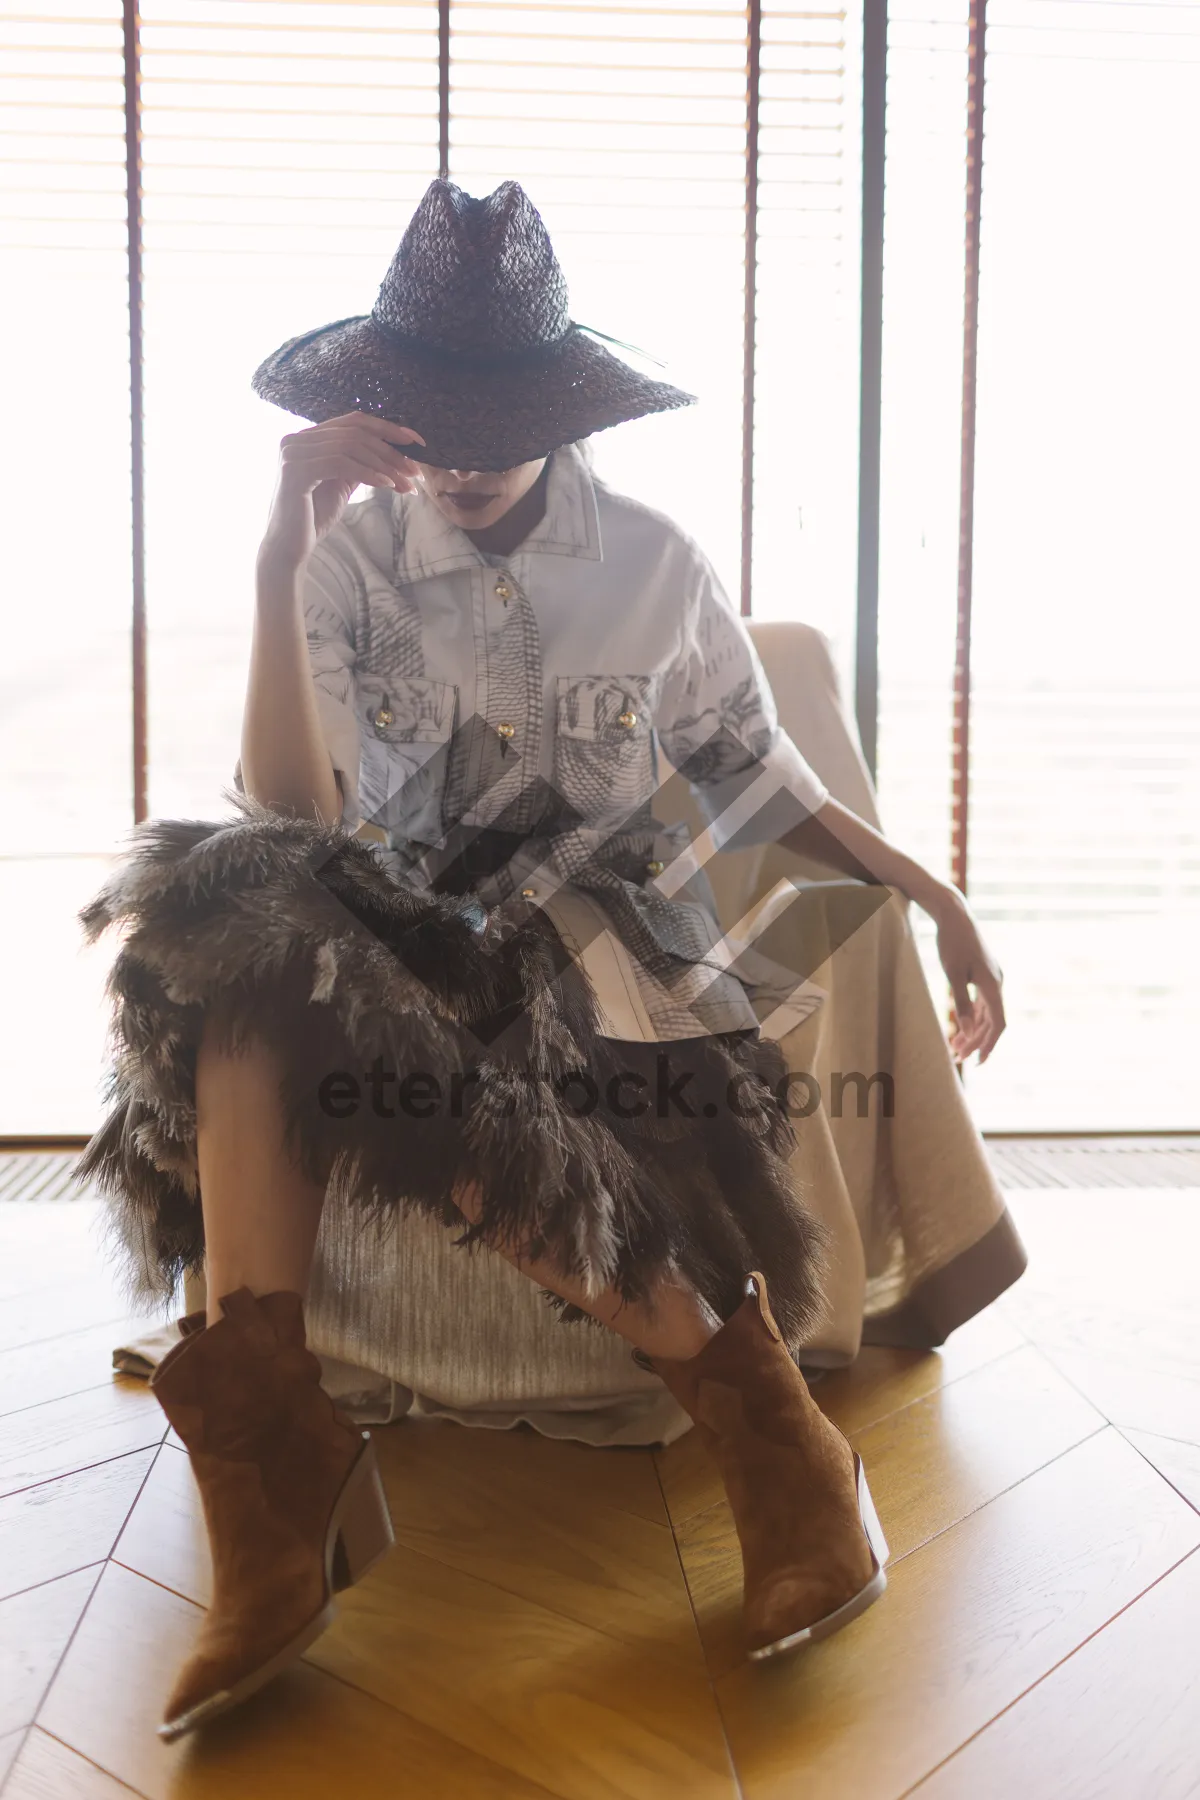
[514, 1008]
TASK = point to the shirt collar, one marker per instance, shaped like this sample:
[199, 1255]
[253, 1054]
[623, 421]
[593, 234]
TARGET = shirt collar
[428, 544]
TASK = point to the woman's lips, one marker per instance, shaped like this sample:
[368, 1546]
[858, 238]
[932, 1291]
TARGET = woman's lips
[470, 502]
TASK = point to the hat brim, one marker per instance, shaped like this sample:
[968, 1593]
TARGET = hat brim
[469, 418]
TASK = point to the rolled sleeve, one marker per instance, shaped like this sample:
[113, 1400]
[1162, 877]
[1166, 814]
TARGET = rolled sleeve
[718, 725]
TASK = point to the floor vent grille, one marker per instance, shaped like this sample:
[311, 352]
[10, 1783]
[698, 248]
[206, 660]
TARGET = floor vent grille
[1164, 1162]
[40, 1175]
[1019, 1163]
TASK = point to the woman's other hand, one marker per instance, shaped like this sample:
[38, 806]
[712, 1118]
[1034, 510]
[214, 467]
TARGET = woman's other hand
[979, 1016]
[319, 469]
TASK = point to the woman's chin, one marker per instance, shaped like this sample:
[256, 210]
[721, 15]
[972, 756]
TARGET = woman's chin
[473, 518]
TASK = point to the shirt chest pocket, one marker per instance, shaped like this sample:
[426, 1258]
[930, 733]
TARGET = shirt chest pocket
[604, 743]
[405, 726]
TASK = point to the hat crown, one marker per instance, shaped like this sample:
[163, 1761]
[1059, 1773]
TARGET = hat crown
[475, 275]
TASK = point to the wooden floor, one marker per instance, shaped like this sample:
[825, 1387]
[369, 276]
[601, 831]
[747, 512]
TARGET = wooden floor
[562, 1621]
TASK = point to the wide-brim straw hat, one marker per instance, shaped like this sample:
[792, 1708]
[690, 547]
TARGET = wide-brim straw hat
[470, 342]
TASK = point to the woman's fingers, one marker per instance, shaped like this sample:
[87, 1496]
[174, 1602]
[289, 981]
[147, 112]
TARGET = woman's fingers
[357, 443]
[388, 427]
[992, 995]
[389, 430]
[980, 1021]
[964, 1015]
[365, 427]
[307, 473]
[325, 444]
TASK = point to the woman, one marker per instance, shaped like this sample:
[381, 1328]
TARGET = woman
[513, 1008]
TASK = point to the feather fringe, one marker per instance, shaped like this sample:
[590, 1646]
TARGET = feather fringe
[295, 934]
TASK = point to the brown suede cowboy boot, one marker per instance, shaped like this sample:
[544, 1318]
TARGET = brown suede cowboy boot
[292, 1498]
[812, 1548]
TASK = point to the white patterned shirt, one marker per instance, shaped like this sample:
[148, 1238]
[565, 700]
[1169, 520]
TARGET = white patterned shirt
[538, 693]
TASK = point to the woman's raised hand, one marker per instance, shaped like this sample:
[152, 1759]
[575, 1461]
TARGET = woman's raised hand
[320, 468]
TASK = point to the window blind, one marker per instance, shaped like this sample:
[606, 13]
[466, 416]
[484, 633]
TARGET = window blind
[285, 145]
[921, 422]
[65, 733]
[1085, 794]
[628, 129]
[807, 329]
[64, 453]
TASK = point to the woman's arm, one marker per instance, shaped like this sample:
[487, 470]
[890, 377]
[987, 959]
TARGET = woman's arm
[285, 761]
[719, 727]
[835, 835]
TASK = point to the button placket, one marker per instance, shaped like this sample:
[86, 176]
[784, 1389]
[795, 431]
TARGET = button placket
[511, 688]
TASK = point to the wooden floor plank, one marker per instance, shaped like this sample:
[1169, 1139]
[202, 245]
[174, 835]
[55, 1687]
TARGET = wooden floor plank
[1119, 1720]
[621, 1477]
[47, 1770]
[35, 1628]
[74, 1433]
[968, 1623]
[10, 1745]
[524, 1640]
[1113, 1307]
[307, 1737]
[605, 1568]
[881, 1379]
[419, 1633]
[1132, 1394]
[164, 1537]
[532, 1524]
[48, 1530]
[964, 1444]
[879, 1382]
[557, 1702]
[54, 1368]
[1179, 1463]
[929, 1465]
[37, 1318]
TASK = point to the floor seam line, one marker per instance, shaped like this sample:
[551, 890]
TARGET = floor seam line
[67, 1474]
[90, 1761]
[53, 1399]
[687, 1588]
[1054, 1667]
[892, 1412]
[972, 1512]
[86, 1608]
[64, 1474]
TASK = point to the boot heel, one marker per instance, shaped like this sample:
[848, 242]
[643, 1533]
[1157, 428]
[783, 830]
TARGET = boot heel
[870, 1518]
[362, 1522]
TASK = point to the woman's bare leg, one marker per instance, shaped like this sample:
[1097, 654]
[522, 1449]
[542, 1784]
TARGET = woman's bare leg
[677, 1325]
[260, 1213]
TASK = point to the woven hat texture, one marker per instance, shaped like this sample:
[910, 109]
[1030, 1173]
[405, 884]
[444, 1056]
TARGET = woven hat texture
[470, 342]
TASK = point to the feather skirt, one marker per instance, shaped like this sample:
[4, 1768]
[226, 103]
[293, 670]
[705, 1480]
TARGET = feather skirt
[427, 1044]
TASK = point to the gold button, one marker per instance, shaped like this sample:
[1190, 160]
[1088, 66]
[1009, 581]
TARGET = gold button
[507, 731]
[627, 719]
[655, 867]
[503, 590]
[385, 716]
[529, 893]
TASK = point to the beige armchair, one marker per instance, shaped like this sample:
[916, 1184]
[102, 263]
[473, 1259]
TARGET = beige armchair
[921, 1238]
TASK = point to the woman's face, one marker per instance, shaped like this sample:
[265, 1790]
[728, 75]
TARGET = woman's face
[477, 499]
